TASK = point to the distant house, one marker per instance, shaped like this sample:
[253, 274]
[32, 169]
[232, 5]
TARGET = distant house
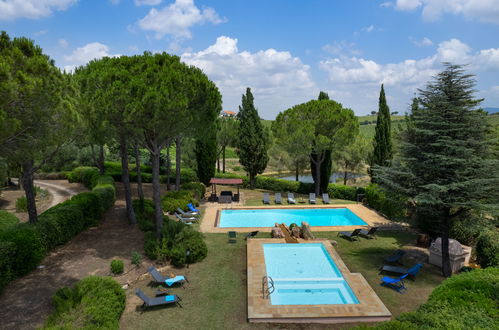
[228, 113]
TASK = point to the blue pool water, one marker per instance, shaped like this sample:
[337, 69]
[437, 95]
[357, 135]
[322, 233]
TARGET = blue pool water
[305, 274]
[268, 217]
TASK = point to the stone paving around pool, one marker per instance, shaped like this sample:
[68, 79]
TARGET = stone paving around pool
[212, 212]
[369, 309]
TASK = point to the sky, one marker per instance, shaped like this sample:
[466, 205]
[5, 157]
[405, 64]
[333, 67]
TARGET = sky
[285, 51]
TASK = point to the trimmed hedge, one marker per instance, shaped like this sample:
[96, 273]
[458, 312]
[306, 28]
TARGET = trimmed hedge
[27, 244]
[93, 303]
[84, 174]
[464, 301]
[487, 248]
[198, 188]
[391, 206]
[7, 220]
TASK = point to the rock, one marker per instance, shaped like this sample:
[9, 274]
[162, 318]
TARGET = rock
[296, 232]
[277, 232]
[334, 243]
[307, 233]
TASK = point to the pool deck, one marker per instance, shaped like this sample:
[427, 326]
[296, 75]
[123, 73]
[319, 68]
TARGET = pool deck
[210, 217]
[369, 309]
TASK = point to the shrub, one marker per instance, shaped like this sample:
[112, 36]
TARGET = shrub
[22, 204]
[144, 211]
[151, 245]
[106, 194]
[84, 174]
[7, 220]
[136, 258]
[391, 206]
[117, 266]
[338, 191]
[93, 303]
[170, 205]
[188, 240]
[487, 248]
[29, 249]
[198, 188]
[7, 255]
[464, 301]
[90, 204]
[468, 228]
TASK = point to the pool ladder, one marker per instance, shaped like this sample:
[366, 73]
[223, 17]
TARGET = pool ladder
[267, 286]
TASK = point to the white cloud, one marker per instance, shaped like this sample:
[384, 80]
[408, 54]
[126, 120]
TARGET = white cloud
[483, 10]
[177, 19]
[341, 48]
[62, 43]
[40, 33]
[386, 4]
[421, 43]
[32, 9]
[278, 80]
[85, 54]
[147, 2]
[369, 28]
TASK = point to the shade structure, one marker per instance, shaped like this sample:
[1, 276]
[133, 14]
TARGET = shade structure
[226, 181]
[222, 181]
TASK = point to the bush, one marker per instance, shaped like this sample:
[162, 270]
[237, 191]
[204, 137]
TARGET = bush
[117, 266]
[90, 204]
[198, 188]
[468, 228]
[7, 220]
[178, 199]
[338, 191]
[487, 248]
[464, 301]
[151, 245]
[29, 249]
[7, 255]
[136, 258]
[106, 194]
[391, 206]
[84, 174]
[93, 303]
[144, 211]
[22, 204]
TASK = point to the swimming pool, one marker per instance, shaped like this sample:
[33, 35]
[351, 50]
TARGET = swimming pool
[268, 217]
[305, 274]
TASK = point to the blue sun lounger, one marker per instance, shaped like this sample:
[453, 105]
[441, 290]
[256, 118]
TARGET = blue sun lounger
[160, 279]
[192, 208]
[394, 283]
[157, 301]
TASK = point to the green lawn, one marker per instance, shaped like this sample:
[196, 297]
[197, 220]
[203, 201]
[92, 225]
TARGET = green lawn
[215, 298]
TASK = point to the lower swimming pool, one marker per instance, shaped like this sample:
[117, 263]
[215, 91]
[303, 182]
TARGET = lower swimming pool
[268, 217]
[305, 274]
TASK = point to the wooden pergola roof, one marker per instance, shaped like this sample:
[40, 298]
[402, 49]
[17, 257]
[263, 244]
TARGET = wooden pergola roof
[226, 181]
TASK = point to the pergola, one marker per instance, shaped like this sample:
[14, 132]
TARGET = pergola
[229, 182]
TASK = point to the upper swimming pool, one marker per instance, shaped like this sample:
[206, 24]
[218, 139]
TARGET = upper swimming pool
[268, 217]
[305, 274]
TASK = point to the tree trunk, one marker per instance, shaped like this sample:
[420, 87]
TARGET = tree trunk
[158, 214]
[140, 191]
[29, 190]
[218, 163]
[177, 163]
[297, 172]
[223, 159]
[345, 176]
[446, 268]
[101, 160]
[168, 164]
[252, 178]
[318, 176]
[125, 178]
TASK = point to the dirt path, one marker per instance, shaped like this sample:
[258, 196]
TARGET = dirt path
[26, 302]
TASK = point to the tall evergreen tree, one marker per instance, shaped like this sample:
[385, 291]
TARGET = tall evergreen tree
[446, 165]
[206, 154]
[252, 140]
[326, 164]
[383, 149]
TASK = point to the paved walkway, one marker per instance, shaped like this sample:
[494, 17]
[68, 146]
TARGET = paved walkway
[26, 302]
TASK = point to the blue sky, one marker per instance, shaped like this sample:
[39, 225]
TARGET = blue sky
[286, 51]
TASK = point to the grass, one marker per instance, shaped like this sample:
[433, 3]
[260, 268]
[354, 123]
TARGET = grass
[216, 298]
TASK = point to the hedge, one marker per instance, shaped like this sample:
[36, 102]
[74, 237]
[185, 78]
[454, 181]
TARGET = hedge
[198, 188]
[378, 199]
[487, 248]
[84, 174]
[26, 244]
[7, 220]
[464, 301]
[93, 303]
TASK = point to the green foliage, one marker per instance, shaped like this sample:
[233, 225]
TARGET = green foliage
[93, 303]
[252, 140]
[144, 210]
[342, 192]
[106, 194]
[206, 154]
[84, 174]
[7, 220]
[487, 248]
[383, 149]
[172, 200]
[151, 245]
[390, 205]
[117, 266]
[7, 270]
[90, 203]
[136, 258]
[198, 188]
[464, 301]
[468, 227]
[22, 204]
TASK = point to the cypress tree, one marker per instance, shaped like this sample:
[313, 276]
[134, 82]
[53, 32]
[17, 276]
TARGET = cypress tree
[252, 140]
[206, 154]
[383, 150]
[446, 166]
[326, 164]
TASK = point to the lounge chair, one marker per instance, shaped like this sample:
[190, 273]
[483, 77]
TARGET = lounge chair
[413, 271]
[291, 198]
[187, 214]
[325, 198]
[252, 234]
[368, 233]
[311, 198]
[232, 236]
[157, 301]
[351, 236]
[192, 208]
[278, 198]
[395, 257]
[394, 283]
[266, 198]
[185, 220]
[160, 279]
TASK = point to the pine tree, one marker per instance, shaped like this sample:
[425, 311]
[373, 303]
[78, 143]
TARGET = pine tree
[383, 150]
[446, 166]
[252, 140]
